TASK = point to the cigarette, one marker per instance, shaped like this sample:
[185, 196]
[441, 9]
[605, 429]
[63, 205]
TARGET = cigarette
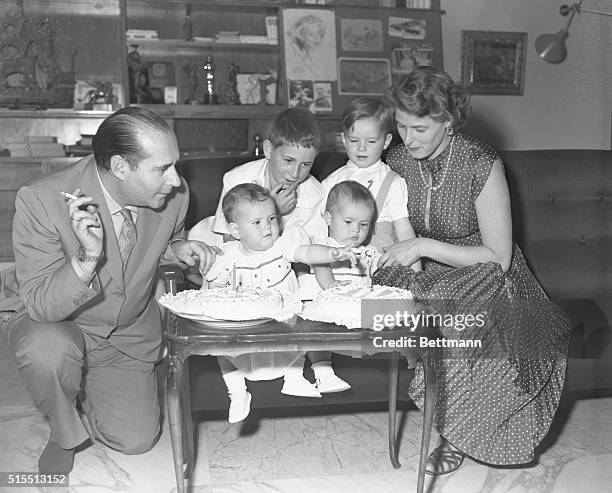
[69, 195]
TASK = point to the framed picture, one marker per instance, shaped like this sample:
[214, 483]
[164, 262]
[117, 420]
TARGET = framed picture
[357, 76]
[253, 87]
[407, 28]
[322, 96]
[493, 62]
[301, 94]
[361, 34]
[310, 44]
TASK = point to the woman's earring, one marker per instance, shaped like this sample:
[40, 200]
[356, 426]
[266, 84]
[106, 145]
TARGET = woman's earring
[450, 130]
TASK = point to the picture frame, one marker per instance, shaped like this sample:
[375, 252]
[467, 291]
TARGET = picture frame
[251, 91]
[361, 34]
[301, 94]
[322, 93]
[363, 76]
[309, 43]
[493, 62]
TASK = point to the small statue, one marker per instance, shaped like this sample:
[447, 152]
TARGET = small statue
[258, 150]
[233, 95]
[191, 69]
[139, 77]
[208, 70]
[268, 96]
[188, 24]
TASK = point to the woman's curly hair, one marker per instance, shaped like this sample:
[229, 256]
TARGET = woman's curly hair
[428, 91]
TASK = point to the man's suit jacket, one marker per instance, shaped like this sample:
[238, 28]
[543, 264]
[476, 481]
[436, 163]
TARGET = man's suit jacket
[118, 305]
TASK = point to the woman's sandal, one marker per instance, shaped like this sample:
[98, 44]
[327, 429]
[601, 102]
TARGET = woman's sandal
[444, 459]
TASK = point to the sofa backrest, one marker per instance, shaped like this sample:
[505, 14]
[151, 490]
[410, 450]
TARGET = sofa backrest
[561, 211]
[205, 179]
[562, 218]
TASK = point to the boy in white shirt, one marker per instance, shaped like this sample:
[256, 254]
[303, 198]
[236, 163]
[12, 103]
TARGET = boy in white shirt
[290, 150]
[367, 124]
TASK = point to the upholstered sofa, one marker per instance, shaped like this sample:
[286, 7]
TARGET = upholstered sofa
[561, 219]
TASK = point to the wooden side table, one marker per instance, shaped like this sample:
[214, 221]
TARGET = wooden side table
[186, 338]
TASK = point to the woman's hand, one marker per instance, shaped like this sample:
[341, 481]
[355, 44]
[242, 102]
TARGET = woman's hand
[405, 252]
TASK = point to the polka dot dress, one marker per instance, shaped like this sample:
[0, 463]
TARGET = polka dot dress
[496, 402]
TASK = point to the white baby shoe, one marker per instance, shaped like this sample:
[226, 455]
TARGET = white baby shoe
[299, 386]
[330, 383]
[240, 406]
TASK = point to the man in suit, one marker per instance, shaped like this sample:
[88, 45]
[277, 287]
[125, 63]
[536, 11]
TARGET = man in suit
[89, 330]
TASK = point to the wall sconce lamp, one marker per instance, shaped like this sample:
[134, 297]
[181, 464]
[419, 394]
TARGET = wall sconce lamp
[551, 47]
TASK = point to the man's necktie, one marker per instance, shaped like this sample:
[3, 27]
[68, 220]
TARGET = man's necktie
[127, 237]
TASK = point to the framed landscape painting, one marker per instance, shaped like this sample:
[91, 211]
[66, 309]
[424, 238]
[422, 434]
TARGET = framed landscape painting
[363, 76]
[493, 62]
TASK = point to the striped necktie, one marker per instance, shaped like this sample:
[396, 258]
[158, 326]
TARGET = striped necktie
[127, 237]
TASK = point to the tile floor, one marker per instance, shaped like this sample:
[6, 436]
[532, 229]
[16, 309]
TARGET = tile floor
[340, 453]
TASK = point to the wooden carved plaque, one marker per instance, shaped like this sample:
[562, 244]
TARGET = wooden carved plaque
[29, 73]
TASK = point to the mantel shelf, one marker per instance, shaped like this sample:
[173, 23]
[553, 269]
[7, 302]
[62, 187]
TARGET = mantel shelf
[224, 111]
[53, 113]
[180, 47]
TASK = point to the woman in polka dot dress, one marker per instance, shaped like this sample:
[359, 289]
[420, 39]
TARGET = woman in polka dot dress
[495, 403]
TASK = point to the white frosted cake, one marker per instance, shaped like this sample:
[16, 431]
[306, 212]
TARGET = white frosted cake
[226, 303]
[342, 304]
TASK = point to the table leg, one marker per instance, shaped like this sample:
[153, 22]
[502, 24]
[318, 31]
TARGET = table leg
[393, 383]
[175, 373]
[429, 373]
[188, 451]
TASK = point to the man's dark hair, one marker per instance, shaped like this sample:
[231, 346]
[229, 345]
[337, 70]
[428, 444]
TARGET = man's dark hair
[120, 134]
[243, 193]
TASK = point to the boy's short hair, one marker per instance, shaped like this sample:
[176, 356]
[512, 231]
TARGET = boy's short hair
[295, 126]
[353, 191]
[368, 107]
[244, 192]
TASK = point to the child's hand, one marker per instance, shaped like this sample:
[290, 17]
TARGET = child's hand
[344, 253]
[285, 197]
[334, 283]
[368, 258]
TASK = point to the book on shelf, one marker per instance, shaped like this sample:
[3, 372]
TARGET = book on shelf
[39, 153]
[33, 146]
[34, 138]
[141, 34]
[227, 37]
[78, 151]
[85, 140]
[253, 39]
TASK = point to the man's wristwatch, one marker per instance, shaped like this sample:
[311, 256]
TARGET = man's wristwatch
[81, 256]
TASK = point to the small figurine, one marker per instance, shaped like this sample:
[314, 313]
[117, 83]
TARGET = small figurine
[267, 87]
[139, 77]
[208, 69]
[233, 95]
[258, 150]
[188, 24]
[191, 69]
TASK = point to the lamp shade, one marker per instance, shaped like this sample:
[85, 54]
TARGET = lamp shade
[551, 47]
